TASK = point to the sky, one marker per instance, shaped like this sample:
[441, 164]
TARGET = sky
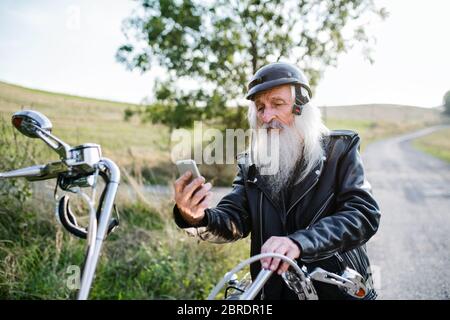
[69, 47]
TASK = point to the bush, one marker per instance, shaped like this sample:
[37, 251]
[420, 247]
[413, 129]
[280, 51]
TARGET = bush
[15, 152]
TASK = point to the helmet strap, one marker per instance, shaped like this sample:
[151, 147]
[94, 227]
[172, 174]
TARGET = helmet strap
[301, 98]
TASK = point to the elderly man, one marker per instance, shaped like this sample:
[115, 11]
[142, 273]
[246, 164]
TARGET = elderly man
[316, 208]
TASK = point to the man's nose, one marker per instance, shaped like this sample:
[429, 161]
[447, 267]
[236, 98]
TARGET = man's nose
[268, 115]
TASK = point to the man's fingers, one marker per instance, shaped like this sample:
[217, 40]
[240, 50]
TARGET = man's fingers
[265, 261]
[285, 266]
[192, 187]
[201, 193]
[269, 247]
[205, 202]
[180, 183]
[276, 261]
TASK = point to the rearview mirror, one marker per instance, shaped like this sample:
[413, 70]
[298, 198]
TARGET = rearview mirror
[28, 122]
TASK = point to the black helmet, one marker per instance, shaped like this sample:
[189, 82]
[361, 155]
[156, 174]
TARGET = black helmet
[275, 74]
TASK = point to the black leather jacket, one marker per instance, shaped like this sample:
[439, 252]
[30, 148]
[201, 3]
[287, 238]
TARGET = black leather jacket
[331, 214]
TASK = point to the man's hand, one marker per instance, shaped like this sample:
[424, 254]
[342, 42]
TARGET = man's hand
[192, 199]
[281, 245]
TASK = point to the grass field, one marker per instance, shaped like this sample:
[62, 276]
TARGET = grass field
[437, 144]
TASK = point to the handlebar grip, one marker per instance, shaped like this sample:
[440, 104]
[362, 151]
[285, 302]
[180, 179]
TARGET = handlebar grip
[33, 171]
[37, 172]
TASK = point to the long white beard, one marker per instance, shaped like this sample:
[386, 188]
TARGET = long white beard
[283, 148]
[298, 143]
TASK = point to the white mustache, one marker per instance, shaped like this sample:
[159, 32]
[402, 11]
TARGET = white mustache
[273, 124]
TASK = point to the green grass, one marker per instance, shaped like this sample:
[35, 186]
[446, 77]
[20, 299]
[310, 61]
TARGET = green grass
[147, 258]
[437, 144]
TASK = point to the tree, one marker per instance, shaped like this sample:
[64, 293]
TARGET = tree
[216, 45]
[447, 103]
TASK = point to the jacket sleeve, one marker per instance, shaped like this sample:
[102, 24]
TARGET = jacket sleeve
[228, 221]
[357, 214]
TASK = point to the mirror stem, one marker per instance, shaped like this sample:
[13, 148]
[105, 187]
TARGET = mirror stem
[61, 148]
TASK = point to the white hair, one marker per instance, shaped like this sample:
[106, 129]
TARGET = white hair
[301, 141]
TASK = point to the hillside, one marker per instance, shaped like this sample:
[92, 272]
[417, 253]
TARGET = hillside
[79, 120]
[144, 148]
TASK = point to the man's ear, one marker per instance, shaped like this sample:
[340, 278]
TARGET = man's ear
[301, 97]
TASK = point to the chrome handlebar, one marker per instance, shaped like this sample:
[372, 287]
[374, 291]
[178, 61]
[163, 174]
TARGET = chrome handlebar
[82, 162]
[298, 280]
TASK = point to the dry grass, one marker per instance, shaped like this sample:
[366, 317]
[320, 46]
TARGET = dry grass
[436, 144]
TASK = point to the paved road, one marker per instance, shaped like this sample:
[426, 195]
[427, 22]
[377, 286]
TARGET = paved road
[411, 251]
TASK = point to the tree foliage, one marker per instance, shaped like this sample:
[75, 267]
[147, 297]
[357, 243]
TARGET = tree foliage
[447, 103]
[209, 49]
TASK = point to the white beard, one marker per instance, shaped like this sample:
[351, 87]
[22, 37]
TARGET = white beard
[284, 156]
[300, 140]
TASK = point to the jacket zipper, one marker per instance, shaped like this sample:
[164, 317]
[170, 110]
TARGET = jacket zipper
[309, 189]
[317, 215]
[260, 218]
[352, 257]
[303, 195]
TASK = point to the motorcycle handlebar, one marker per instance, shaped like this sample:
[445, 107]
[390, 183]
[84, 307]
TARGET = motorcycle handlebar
[33, 171]
[265, 274]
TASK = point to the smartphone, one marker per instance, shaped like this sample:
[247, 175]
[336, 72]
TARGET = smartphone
[188, 165]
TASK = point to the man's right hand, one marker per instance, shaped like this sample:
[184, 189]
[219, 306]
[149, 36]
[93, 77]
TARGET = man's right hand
[192, 198]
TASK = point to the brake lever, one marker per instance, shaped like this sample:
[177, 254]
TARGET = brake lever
[355, 287]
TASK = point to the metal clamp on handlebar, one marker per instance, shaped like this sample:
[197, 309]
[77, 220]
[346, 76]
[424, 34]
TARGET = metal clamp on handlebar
[303, 288]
